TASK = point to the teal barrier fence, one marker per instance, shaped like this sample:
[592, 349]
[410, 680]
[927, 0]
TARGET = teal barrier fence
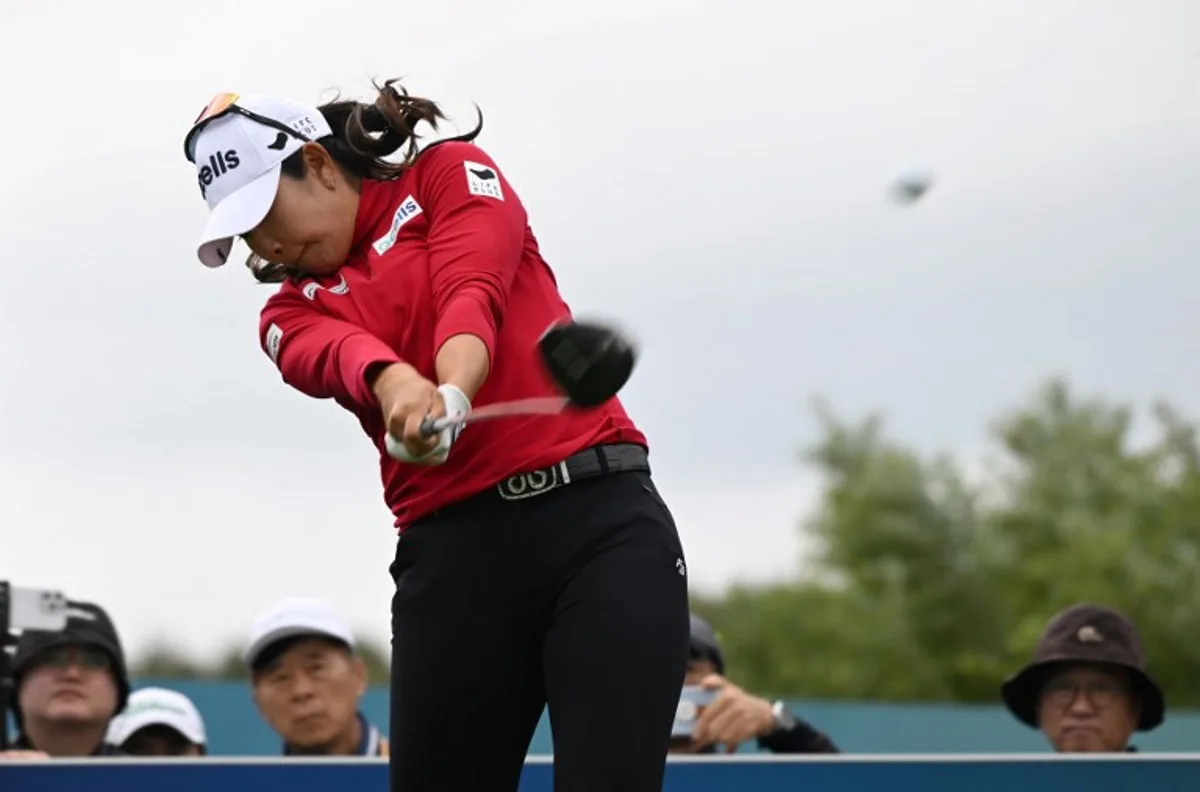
[1048, 773]
[236, 729]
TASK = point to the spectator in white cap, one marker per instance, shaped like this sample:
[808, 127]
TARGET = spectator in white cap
[308, 681]
[158, 722]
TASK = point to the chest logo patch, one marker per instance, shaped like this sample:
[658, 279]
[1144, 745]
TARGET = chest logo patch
[408, 209]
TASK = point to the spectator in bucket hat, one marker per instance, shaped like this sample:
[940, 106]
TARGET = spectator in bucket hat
[1087, 688]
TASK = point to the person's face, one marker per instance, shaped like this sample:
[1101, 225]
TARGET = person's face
[159, 740]
[310, 227]
[310, 694]
[1087, 708]
[69, 684]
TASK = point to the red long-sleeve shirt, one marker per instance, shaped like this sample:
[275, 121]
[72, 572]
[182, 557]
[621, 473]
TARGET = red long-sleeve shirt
[443, 250]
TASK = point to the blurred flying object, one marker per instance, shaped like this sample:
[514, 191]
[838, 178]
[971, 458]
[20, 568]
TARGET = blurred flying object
[909, 184]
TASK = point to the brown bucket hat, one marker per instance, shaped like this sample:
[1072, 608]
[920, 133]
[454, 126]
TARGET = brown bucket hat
[1085, 633]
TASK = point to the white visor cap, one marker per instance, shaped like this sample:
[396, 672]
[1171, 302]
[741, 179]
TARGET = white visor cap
[238, 162]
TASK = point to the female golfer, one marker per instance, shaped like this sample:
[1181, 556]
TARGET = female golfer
[536, 565]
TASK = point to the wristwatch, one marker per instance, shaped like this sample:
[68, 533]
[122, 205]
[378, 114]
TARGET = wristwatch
[785, 721]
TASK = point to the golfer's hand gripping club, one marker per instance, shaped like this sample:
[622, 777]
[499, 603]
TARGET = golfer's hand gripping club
[457, 406]
[431, 426]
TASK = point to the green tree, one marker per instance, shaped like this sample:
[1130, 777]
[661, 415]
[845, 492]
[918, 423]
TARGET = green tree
[162, 661]
[378, 662]
[231, 665]
[927, 585]
[1091, 516]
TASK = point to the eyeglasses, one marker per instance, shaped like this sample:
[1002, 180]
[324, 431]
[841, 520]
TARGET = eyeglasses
[86, 657]
[222, 105]
[1100, 693]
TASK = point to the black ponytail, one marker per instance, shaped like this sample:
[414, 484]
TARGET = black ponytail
[364, 137]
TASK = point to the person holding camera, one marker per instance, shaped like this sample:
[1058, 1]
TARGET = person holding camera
[69, 684]
[730, 716]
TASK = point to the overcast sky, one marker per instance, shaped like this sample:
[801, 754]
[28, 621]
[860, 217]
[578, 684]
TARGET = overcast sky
[710, 173]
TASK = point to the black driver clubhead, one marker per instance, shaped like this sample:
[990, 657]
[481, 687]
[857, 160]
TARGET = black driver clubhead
[589, 362]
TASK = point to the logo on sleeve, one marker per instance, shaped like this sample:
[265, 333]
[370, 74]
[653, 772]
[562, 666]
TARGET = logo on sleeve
[483, 180]
[408, 209]
[274, 336]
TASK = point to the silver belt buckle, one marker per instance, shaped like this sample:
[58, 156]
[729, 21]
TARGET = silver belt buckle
[533, 483]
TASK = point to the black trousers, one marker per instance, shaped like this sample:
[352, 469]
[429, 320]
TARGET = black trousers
[575, 598]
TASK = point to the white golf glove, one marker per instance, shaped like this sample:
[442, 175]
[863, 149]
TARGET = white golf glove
[457, 404]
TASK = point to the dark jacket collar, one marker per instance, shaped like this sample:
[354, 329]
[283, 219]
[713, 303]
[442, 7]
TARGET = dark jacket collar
[22, 743]
[371, 743]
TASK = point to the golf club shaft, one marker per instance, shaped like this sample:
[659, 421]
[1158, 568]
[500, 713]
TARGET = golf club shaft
[548, 405]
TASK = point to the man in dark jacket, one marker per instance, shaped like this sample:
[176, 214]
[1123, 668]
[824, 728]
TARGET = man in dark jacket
[69, 684]
[1087, 688]
[735, 716]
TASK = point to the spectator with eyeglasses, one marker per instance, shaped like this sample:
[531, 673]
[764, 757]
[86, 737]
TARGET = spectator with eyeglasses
[1087, 688]
[68, 685]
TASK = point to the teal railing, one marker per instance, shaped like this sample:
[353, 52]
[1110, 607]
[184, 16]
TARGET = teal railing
[236, 729]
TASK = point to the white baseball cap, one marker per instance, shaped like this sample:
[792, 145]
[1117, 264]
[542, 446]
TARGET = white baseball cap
[155, 706]
[238, 151]
[296, 616]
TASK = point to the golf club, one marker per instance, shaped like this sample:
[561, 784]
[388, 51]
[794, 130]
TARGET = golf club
[543, 405]
[589, 363]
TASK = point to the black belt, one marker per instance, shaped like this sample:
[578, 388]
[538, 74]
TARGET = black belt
[594, 462]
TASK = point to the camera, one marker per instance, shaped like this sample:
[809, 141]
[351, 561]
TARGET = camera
[32, 609]
[23, 609]
[692, 701]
